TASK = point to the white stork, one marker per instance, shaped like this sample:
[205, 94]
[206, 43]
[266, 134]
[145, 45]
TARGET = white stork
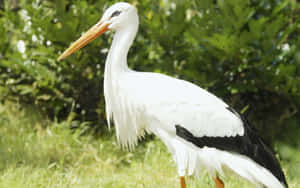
[199, 129]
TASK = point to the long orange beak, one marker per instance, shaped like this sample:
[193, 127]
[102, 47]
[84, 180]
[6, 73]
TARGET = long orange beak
[90, 35]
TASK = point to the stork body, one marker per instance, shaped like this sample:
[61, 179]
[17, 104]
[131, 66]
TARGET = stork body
[199, 129]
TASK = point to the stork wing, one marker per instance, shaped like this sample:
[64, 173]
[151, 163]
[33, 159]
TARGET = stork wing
[172, 102]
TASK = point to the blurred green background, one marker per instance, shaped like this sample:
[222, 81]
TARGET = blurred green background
[246, 52]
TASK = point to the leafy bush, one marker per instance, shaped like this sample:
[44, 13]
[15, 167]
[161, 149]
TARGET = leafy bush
[244, 51]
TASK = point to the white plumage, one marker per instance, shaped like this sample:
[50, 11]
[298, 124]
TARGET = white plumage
[150, 100]
[139, 102]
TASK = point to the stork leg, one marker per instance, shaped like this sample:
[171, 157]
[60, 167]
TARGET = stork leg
[219, 183]
[182, 182]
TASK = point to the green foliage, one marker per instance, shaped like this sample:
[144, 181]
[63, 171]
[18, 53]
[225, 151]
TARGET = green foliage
[244, 51]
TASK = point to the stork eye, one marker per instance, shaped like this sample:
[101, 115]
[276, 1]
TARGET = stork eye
[116, 13]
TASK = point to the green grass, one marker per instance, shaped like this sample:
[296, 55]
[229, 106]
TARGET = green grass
[38, 153]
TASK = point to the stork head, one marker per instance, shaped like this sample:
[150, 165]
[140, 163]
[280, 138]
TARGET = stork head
[120, 15]
[116, 17]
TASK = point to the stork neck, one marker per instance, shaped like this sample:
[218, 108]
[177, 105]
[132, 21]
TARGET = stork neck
[117, 57]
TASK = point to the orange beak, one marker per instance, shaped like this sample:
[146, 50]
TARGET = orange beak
[90, 35]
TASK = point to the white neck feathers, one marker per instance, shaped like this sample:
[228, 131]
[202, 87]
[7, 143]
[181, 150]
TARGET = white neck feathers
[115, 67]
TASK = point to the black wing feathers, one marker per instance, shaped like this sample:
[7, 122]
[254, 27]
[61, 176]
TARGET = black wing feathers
[250, 144]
